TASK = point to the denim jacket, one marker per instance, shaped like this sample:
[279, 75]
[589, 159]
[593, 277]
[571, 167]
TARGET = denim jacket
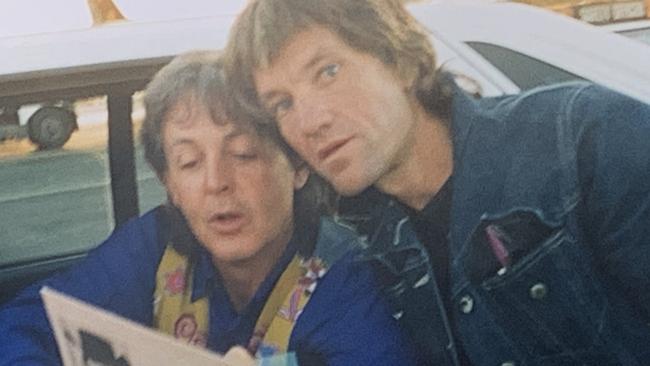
[562, 175]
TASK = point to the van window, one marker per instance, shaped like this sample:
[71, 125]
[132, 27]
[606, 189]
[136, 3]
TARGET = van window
[526, 72]
[54, 201]
[151, 192]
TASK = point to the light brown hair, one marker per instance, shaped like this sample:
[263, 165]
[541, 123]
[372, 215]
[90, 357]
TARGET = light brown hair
[381, 28]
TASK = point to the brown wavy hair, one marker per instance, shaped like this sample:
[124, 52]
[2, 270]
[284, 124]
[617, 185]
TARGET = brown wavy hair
[381, 28]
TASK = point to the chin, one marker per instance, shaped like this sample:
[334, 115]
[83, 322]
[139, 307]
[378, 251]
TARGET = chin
[234, 259]
[353, 181]
[226, 251]
[348, 188]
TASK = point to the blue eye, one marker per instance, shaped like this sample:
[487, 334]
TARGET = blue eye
[330, 70]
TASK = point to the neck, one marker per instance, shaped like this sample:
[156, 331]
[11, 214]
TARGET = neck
[424, 165]
[243, 278]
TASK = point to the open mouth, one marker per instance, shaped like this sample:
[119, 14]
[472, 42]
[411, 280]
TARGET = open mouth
[227, 223]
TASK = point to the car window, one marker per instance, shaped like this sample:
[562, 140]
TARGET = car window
[525, 71]
[54, 200]
[57, 201]
[150, 192]
[642, 34]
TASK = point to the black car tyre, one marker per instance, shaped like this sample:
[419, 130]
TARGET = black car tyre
[51, 127]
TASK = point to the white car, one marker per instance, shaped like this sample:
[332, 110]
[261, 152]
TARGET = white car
[509, 47]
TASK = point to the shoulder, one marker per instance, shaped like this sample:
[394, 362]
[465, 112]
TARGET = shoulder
[335, 240]
[563, 111]
[347, 276]
[339, 247]
[596, 103]
[571, 100]
[347, 321]
[545, 99]
[119, 273]
[139, 238]
[145, 226]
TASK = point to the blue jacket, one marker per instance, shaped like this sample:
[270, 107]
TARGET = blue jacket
[563, 174]
[345, 322]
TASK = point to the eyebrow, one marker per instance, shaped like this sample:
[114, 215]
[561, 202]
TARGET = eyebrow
[181, 141]
[236, 132]
[318, 56]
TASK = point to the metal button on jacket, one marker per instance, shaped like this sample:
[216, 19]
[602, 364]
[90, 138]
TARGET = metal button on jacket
[466, 304]
[538, 291]
[509, 363]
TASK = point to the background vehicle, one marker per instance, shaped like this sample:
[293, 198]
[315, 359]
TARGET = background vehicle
[57, 205]
[508, 47]
[49, 127]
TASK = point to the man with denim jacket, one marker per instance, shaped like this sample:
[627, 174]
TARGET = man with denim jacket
[508, 231]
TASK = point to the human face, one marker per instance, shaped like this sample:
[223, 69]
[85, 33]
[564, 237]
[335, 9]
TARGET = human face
[234, 188]
[349, 115]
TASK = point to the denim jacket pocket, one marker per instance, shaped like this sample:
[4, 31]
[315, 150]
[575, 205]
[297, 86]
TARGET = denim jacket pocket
[544, 292]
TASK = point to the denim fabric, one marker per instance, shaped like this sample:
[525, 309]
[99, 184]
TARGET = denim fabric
[564, 172]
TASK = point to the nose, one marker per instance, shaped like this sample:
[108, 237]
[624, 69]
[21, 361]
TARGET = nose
[314, 118]
[218, 175]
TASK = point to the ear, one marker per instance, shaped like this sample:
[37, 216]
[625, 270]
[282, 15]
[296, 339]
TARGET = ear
[300, 176]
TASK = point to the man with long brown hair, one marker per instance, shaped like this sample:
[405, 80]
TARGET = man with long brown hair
[509, 230]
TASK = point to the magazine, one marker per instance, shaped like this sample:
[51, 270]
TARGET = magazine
[87, 335]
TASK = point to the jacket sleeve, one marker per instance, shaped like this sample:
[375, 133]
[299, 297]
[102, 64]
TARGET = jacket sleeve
[118, 275]
[614, 173]
[347, 322]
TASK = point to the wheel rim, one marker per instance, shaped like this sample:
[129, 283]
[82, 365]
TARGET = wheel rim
[52, 129]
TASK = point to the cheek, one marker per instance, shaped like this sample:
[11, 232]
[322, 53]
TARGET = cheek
[293, 137]
[183, 195]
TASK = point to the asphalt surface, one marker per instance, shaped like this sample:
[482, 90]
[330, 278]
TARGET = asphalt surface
[59, 202]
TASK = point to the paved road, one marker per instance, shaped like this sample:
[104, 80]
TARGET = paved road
[57, 202]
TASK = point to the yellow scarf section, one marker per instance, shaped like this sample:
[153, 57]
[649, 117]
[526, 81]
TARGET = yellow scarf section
[177, 315]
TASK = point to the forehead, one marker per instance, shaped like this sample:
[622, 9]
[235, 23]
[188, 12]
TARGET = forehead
[298, 52]
[188, 108]
[189, 118]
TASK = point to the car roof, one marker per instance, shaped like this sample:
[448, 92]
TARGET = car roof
[125, 53]
[112, 42]
[579, 48]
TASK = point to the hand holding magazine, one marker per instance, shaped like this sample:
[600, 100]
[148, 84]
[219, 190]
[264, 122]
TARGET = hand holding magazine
[88, 335]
